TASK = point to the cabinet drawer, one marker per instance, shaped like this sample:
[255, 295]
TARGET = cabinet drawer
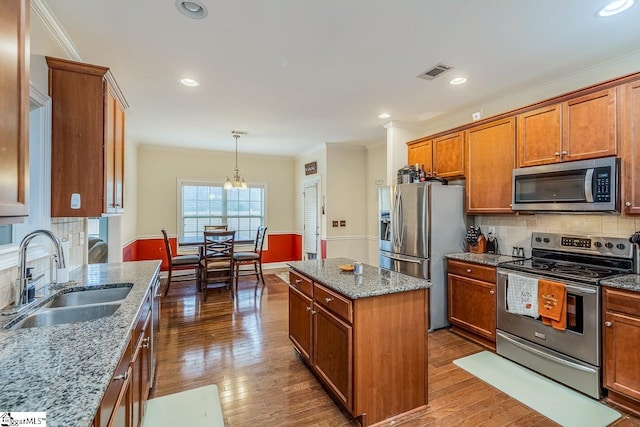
[472, 271]
[622, 301]
[335, 303]
[301, 283]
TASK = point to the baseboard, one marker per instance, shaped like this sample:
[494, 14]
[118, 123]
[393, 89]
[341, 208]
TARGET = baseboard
[616, 399]
[491, 345]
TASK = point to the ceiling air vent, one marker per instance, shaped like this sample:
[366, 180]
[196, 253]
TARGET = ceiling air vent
[434, 71]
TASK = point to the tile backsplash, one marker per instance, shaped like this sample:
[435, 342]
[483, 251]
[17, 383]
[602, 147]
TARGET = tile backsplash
[72, 229]
[516, 230]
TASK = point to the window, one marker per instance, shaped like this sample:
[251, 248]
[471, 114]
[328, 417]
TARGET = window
[207, 203]
[6, 234]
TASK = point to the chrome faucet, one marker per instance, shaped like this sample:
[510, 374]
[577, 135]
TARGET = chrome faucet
[21, 294]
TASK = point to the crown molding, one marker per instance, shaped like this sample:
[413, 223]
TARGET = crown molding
[401, 125]
[40, 9]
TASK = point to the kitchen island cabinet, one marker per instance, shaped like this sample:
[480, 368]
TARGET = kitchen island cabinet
[80, 373]
[621, 338]
[87, 129]
[368, 334]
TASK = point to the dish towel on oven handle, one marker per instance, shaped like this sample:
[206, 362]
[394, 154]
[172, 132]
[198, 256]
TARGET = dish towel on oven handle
[522, 295]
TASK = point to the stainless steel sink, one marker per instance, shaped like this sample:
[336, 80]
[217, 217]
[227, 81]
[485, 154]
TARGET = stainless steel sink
[66, 315]
[90, 296]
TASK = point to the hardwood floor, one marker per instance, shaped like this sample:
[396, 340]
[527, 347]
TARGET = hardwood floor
[242, 346]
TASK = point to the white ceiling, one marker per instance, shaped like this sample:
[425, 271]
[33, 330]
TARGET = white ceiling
[297, 73]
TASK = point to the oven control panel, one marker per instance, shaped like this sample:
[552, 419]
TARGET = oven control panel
[593, 245]
[575, 242]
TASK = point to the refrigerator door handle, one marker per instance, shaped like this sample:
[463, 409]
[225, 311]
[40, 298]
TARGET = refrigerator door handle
[395, 219]
[403, 259]
[400, 220]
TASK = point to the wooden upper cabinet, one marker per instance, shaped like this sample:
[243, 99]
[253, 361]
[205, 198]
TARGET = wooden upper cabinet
[421, 152]
[630, 147]
[490, 150]
[449, 156]
[14, 105]
[442, 157]
[540, 136]
[87, 140]
[589, 126]
[578, 129]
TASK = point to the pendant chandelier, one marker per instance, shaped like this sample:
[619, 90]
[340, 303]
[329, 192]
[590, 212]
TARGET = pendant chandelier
[238, 181]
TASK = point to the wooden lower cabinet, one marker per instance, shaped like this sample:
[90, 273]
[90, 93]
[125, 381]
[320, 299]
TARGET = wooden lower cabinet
[370, 353]
[300, 322]
[115, 406]
[621, 339]
[472, 301]
[333, 354]
[126, 396]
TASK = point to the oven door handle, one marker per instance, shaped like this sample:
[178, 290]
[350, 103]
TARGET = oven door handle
[545, 355]
[588, 185]
[580, 290]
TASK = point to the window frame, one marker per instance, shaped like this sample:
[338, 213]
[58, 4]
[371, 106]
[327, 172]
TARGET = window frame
[248, 244]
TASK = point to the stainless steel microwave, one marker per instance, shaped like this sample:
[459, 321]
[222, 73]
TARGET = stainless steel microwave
[582, 186]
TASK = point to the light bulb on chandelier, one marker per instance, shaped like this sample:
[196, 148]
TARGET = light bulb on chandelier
[238, 181]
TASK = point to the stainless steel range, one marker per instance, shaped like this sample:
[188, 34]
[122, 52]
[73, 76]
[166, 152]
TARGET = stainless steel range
[572, 355]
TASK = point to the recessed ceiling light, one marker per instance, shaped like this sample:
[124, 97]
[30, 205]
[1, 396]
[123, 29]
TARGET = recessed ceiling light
[458, 81]
[189, 82]
[614, 7]
[191, 8]
[384, 116]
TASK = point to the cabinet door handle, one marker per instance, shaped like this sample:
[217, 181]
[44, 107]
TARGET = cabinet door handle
[298, 281]
[313, 312]
[627, 204]
[565, 153]
[145, 342]
[492, 292]
[468, 270]
[308, 308]
[121, 377]
[557, 153]
[607, 324]
[328, 300]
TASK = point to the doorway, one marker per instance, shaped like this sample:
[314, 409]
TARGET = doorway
[311, 219]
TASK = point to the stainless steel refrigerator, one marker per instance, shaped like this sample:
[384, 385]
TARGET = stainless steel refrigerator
[419, 224]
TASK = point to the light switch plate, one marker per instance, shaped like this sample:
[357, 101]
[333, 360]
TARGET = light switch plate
[75, 201]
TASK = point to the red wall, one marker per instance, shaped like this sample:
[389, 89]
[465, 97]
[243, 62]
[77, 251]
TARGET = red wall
[282, 247]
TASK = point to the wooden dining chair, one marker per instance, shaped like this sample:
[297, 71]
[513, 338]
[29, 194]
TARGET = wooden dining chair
[180, 262]
[254, 258]
[215, 228]
[216, 261]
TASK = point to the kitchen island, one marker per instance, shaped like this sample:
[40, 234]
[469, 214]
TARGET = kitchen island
[364, 336]
[64, 370]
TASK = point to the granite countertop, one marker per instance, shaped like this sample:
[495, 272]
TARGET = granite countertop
[373, 281]
[65, 369]
[486, 259]
[630, 282]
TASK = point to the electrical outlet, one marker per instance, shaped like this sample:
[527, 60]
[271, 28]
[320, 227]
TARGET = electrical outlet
[343, 223]
[335, 223]
[81, 239]
[476, 116]
[492, 230]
